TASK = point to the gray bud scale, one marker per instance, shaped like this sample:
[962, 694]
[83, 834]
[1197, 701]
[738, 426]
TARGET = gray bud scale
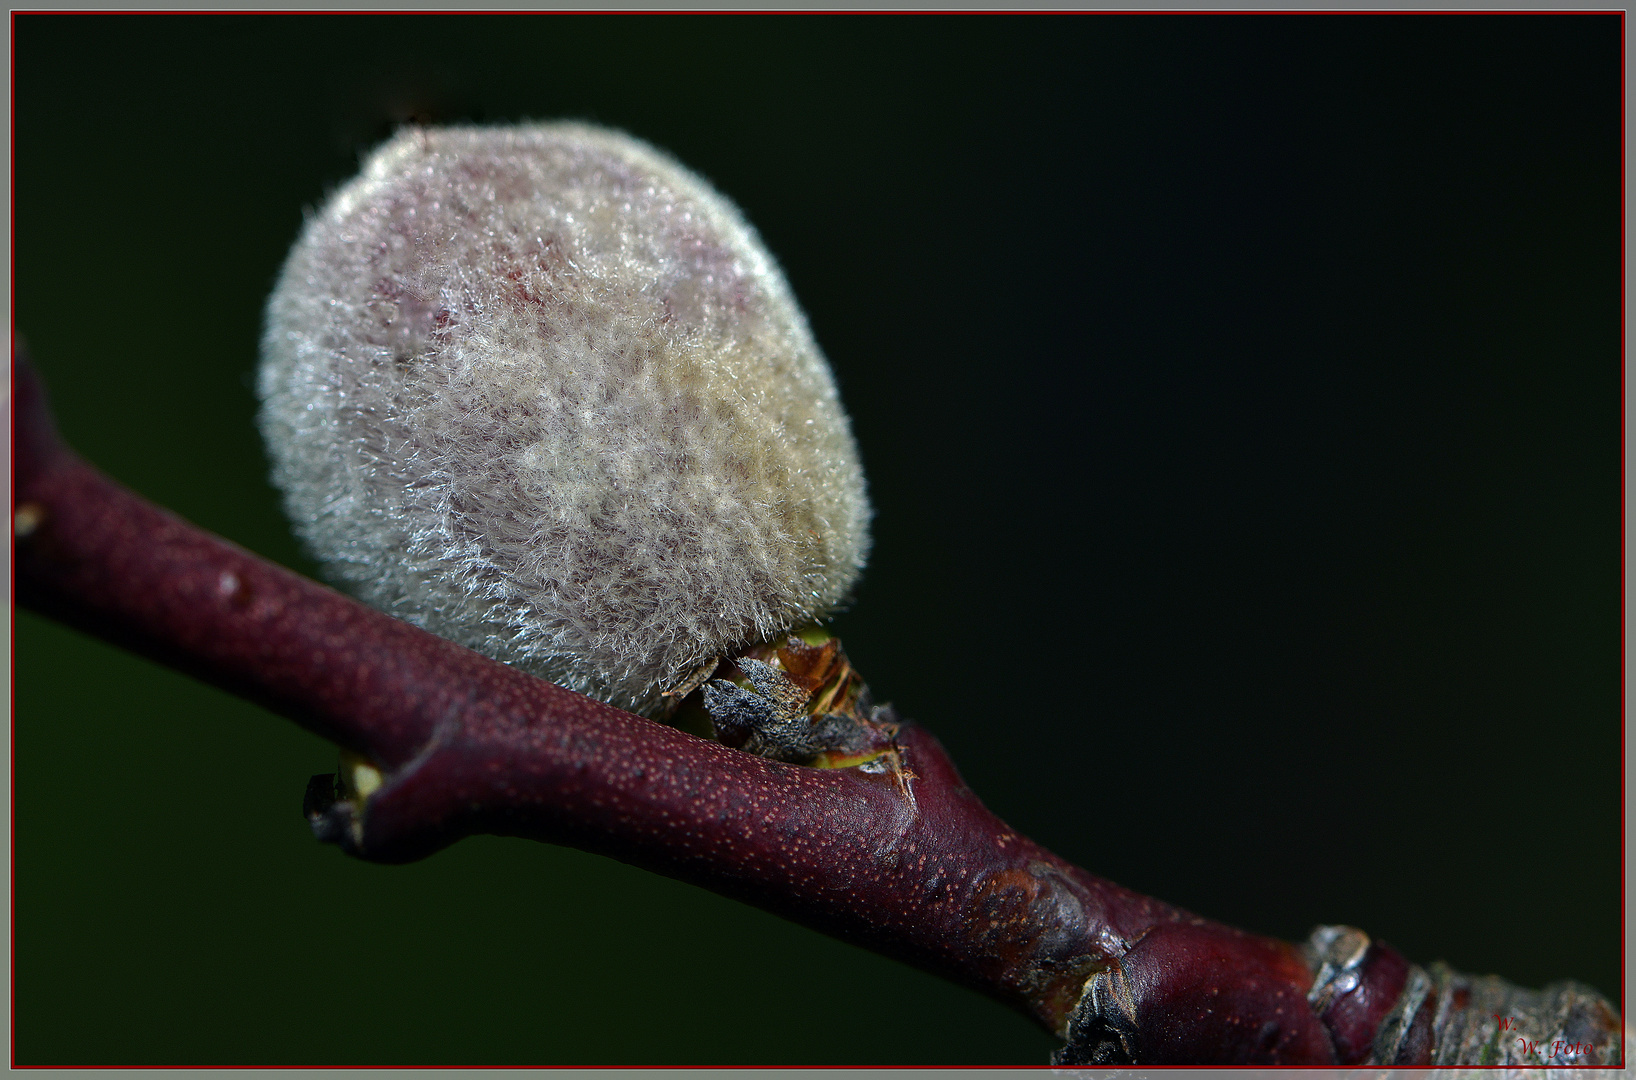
[541, 390]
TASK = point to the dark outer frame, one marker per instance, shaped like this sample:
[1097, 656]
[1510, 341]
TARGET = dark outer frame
[1389, 570]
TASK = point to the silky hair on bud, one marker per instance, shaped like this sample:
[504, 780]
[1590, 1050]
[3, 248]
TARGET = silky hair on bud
[541, 390]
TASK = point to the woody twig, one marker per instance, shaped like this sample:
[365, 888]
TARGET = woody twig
[443, 743]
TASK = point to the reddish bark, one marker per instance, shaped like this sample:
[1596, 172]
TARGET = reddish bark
[468, 745]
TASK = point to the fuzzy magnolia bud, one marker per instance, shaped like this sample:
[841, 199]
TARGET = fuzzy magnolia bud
[542, 391]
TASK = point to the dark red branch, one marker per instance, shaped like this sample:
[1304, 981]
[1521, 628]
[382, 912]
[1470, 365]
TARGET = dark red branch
[923, 872]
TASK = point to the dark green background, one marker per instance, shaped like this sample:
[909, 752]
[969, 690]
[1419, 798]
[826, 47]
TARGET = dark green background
[1240, 397]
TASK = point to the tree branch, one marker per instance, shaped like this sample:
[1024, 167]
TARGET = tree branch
[911, 865]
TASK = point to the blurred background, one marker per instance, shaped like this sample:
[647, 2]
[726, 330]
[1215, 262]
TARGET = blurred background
[1240, 397]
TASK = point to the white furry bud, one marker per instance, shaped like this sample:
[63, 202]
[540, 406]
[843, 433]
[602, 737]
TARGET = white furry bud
[540, 390]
